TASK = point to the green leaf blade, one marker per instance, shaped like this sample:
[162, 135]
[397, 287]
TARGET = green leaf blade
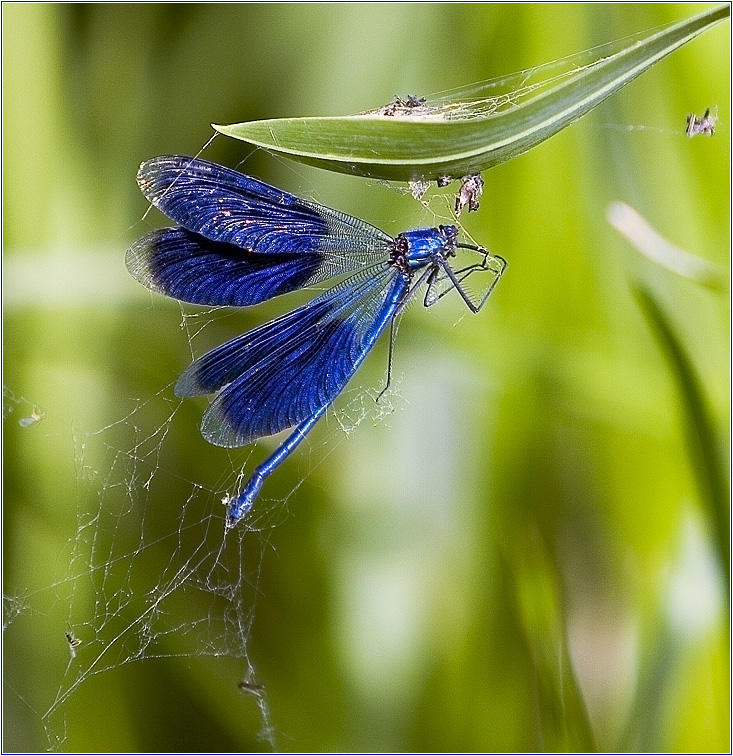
[700, 432]
[411, 148]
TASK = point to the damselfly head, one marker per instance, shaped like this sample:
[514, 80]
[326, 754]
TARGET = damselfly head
[449, 231]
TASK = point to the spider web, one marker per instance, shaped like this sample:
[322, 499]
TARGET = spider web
[508, 91]
[130, 590]
[137, 586]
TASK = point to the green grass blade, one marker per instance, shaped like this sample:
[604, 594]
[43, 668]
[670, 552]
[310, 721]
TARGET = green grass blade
[426, 147]
[700, 432]
[650, 243]
[562, 715]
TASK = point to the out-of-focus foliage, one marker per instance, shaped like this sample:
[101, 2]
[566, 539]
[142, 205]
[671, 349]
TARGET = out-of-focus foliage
[520, 557]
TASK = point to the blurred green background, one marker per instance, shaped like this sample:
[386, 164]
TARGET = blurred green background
[519, 558]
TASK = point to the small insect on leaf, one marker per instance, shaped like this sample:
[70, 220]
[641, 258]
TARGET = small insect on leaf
[418, 188]
[411, 106]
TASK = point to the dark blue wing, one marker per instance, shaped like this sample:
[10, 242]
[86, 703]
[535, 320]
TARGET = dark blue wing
[302, 241]
[192, 268]
[279, 374]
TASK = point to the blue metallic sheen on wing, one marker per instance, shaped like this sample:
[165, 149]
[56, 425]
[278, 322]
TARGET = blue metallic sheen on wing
[192, 268]
[228, 206]
[279, 374]
[235, 228]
